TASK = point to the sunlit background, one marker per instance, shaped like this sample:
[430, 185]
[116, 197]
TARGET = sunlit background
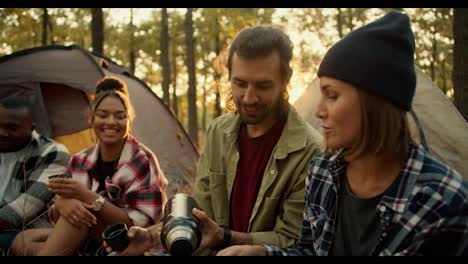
[311, 30]
[301, 77]
[292, 20]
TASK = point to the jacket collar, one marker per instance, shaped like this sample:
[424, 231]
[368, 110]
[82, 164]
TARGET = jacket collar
[34, 142]
[35, 137]
[397, 195]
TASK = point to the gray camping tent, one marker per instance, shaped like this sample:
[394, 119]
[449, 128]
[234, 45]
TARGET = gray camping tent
[444, 130]
[60, 80]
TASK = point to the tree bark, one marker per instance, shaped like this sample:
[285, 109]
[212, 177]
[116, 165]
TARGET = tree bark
[164, 57]
[190, 62]
[217, 76]
[350, 19]
[434, 56]
[45, 23]
[460, 60]
[204, 105]
[443, 77]
[97, 30]
[175, 101]
[132, 44]
[339, 23]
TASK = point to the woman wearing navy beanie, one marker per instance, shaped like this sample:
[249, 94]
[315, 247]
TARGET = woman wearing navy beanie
[373, 191]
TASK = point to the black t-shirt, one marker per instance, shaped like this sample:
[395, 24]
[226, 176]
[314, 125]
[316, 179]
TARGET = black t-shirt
[357, 228]
[105, 169]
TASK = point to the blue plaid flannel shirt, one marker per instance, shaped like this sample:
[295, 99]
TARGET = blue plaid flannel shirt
[424, 212]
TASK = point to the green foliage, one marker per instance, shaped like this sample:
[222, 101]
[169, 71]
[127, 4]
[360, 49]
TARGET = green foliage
[20, 28]
[434, 43]
[432, 28]
[312, 30]
[70, 26]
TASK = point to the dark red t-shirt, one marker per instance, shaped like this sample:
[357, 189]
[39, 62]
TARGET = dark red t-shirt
[254, 154]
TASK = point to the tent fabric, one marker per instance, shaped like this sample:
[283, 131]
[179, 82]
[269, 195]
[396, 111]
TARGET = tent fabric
[61, 103]
[60, 80]
[70, 66]
[77, 141]
[445, 130]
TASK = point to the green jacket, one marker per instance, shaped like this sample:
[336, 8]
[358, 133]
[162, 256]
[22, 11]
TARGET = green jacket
[277, 214]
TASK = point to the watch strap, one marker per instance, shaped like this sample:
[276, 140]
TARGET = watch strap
[226, 239]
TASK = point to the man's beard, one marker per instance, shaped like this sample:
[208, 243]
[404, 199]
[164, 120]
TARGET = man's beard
[264, 112]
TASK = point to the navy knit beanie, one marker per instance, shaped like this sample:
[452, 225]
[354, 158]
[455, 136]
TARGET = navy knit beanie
[378, 58]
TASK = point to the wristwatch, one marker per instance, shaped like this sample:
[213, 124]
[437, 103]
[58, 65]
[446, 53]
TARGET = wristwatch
[226, 240]
[98, 203]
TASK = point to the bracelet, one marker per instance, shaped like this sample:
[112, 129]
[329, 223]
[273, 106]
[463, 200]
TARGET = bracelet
[226, 240]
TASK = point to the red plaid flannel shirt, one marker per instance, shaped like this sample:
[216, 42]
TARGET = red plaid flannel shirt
[138, 185]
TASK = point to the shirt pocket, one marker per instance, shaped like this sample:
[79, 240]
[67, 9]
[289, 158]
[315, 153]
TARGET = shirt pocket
[268, 213]
[216, 178]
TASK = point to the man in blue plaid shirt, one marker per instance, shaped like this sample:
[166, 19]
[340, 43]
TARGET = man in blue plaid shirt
[374, 191]
[27, 159]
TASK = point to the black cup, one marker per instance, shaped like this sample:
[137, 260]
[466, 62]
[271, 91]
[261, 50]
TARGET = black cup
[116, 236]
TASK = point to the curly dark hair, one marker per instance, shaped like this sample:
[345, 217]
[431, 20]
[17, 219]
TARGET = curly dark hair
[113, 86]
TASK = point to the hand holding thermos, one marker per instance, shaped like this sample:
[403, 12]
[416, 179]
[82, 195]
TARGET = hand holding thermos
[179, 232]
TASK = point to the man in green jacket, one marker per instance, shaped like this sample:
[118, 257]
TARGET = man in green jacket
[251, 175]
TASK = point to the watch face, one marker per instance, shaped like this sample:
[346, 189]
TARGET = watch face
[98, 203]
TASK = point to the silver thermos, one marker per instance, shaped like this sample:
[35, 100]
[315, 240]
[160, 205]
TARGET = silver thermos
[181, 234]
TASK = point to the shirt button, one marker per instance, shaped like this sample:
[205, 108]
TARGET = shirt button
[237, 155]
[272, 171]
